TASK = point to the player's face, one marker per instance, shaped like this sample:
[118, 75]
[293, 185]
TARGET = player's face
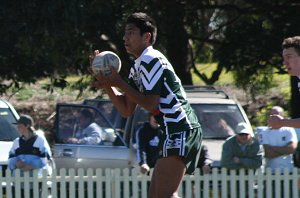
[134, 42]
[291, 61]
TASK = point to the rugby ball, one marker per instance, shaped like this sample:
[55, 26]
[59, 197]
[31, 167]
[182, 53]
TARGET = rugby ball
[103, 61]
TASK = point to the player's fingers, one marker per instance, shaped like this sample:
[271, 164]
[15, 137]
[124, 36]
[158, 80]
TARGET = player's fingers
[99, 76]
[92, 56]
[113, 70]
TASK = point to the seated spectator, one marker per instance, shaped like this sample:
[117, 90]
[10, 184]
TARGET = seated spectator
[242, 150]
[147, 138]
[89, 132]
[279, 144]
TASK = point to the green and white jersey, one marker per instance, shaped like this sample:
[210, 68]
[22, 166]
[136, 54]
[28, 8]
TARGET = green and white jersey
[152, 74]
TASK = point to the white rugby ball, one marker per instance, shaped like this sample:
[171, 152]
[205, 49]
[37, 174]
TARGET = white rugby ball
[104, 60]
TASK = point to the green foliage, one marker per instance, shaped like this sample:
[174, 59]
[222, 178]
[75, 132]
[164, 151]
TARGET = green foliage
[24, 94]
[53, 39]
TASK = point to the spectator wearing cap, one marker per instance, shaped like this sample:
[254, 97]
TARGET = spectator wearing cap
[29, 151]
[242, 150]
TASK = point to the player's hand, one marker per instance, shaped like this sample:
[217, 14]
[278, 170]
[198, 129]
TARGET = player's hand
[112, 80]
[100, 82]
[92, 56]
[275, 121]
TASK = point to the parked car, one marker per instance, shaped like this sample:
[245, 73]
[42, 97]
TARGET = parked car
[216, 112]
[114, 151]
[8, 131]
[218, 115]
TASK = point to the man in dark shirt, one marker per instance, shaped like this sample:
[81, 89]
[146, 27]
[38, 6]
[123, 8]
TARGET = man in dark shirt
[147, 138]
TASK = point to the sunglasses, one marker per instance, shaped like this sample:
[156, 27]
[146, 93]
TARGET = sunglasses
[243, 134]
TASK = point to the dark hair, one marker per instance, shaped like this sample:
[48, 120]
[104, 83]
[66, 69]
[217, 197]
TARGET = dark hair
[87, 113]
[145, 23]
[292, 42]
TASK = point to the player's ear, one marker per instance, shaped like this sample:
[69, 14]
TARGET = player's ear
[147, 37]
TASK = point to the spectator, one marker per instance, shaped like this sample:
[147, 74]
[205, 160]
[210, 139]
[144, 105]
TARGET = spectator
[89, 132]
[30, 151]
[204, 162]
[242, 150]
[291, 60]
[215, 126]
[279, 144]
[147, 138]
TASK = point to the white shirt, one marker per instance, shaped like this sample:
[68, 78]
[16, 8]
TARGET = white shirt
[92, 134]
[278, 137]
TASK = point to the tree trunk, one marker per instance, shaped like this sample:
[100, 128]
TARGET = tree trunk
[177, 41]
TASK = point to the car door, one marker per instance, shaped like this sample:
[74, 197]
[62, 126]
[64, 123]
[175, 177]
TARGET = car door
[112, 152]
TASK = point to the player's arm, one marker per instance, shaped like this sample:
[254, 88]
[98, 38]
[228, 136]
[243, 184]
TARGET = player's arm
[125, 103]
[149, 102]
[276, 121]
[295, 123]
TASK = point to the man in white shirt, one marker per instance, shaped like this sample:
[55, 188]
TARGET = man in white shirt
[279, 144]
[89, 131]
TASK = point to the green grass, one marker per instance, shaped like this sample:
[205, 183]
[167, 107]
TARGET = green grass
[226, 78]
[208, 69]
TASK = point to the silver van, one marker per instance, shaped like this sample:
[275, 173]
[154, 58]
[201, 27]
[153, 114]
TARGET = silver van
[217, 112]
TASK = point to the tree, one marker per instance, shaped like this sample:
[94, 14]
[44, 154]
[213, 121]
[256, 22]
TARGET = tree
[54, 39]
[252, 45]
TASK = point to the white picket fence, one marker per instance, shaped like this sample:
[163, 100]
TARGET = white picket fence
[125, 183]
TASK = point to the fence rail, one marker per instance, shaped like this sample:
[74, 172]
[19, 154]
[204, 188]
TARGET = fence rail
[127, 183]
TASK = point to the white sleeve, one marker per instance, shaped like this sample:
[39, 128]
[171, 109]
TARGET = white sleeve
[292, 135]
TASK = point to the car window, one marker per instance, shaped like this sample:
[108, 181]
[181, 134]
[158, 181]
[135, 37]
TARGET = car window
[139, 117]
[107, 108]
[8, 131]
[68, 119]
[218, 120]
